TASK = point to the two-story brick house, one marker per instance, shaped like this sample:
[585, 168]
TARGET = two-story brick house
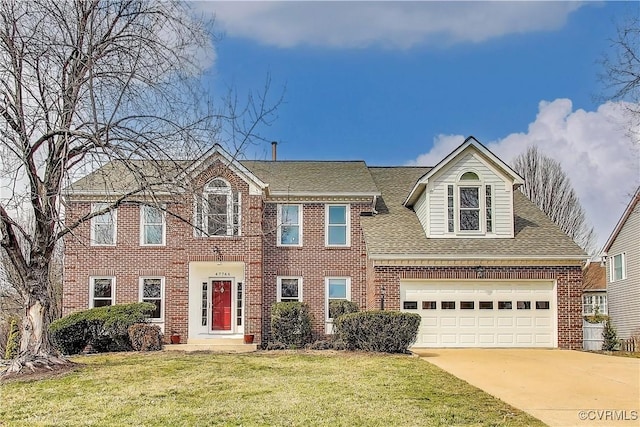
[456, 243]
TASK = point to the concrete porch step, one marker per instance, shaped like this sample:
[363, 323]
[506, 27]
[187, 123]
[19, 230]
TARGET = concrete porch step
[219, 345]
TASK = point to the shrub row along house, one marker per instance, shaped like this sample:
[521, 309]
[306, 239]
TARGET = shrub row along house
[455, 243]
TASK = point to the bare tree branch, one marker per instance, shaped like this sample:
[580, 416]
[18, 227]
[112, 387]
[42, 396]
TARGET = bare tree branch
[547, 185]
[84, 84]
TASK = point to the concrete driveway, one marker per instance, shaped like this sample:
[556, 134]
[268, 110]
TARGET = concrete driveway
[559, 387]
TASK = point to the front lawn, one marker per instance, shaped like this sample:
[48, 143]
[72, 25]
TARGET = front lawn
[271, 388]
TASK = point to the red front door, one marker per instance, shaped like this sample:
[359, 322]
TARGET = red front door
[221, 307]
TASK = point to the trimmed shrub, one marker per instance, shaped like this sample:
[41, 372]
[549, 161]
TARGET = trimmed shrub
[145, 337]
[105, 328]
[379, 331]
[13, 340]
[291, 324]
[339, 307]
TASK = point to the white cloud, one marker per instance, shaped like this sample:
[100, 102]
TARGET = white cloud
[391, 24]
[593, 147]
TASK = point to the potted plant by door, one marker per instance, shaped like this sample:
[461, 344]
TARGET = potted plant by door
[175, 337]
[248, 338]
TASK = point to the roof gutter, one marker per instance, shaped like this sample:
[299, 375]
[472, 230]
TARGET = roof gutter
[420, 257]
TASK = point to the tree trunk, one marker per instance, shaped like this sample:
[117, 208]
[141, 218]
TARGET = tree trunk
[36, 350]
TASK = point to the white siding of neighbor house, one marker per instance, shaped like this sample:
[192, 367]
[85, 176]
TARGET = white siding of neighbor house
[421, 209]
[623, 296]
[437, 197]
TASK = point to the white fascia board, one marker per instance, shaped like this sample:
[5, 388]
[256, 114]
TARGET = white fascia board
[318, 194]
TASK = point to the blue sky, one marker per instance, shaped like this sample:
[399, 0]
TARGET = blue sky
[404, 83]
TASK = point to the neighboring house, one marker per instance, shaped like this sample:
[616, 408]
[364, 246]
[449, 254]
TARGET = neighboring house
[594, 304]
[455, 243]
[594, 289]
[622, 252]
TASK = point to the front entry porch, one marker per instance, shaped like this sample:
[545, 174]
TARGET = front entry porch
[216, 303]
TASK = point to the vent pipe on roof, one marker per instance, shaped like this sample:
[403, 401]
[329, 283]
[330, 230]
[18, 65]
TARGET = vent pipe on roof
[274, 151]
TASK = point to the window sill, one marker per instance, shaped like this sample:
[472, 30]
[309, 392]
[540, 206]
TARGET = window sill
[337, 247]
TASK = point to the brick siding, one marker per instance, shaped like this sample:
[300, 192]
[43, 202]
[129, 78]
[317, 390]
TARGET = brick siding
[264, 261]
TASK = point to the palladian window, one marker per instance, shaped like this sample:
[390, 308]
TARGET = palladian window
[217, 210]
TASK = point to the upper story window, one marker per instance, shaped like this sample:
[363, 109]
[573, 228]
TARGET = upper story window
[103, 227]
[102, 291]
[217, 210]
[152, 226]
[469, 205]
[337, 225]
[618, 269]
[289, 225]
[469, 202]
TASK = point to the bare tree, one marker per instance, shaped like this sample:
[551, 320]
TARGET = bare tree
[83, 83]
[547, 185]
[621, 74]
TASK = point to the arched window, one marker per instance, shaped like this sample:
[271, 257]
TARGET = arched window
[469, 205]
[218, 210]
[469, 202]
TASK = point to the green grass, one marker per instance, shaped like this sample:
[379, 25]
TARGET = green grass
[272, 388]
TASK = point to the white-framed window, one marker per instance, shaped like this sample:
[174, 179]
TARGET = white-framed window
[102, 291]
[618, 269]
[152, 226]
[337, 225]
[469, 202]
[152, 291]
[103, 227]
[488, 204]
[289, 225]
[289, 289]
[217, 210]
[594, 303]
[470, 205]
[336, 289]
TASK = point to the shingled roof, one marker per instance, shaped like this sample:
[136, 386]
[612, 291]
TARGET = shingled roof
[395, 231]
[306, 177]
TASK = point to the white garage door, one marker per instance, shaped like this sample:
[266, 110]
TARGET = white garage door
[472, 314]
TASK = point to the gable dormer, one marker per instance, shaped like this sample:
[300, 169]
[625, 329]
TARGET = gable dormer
[469, 194]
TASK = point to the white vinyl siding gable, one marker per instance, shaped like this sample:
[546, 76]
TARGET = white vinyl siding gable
[623, 296]
[422, 211]
[433, 212]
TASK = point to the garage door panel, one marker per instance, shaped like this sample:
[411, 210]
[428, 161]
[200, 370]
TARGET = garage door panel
[524, 322]
[505, 322]
[448, 321]
[542, 321]
[499, 324]
[486, 322]
[468, 339]
[467, 322]
[506, 339]
[449, 338]
[524, 339]
[486, 339]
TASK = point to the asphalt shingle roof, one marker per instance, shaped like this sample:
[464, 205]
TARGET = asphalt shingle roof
[314, 177]
[396, 231]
